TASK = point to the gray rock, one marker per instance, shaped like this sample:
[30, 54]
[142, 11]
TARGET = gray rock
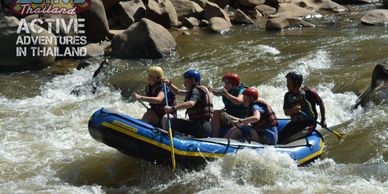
[250, 3]
[316, 5]
[162, 12]
[204, 23]
[291, 10]
[190, 22]
[241, 18]
[281, 23]
[96, 23]
[144, 39]
[265, 10]
[375, 17]
[257, 14]
[213, 10]
[8, 59]
[108, 4]
[187, 8]
[222, 3]
[201, 3]
[94, 50]
[130, 12]
[219, 25]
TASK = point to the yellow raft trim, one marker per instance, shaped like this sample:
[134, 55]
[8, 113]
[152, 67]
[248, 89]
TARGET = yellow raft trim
[130, 132]
[311, 156]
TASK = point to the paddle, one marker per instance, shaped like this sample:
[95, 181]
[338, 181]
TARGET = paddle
[339, 135]
[169, 129]
[141, 102]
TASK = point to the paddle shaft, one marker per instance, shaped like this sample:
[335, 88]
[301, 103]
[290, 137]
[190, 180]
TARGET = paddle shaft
[169, 129]
[145, 106]
[337, 134]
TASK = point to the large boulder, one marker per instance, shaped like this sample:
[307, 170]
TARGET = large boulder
[277, 24]
[222, 3]
[291, 10]
[108, 4]
[190, 22]
[265, 10]
[213, 10]
[375, 17]
[162, 12]
[187, 8]
[342, 2]
[318, 5]
[130, 12]
[96, 23]
[144, 39]
[219, 25]
[61, 31]
[241, 18]
[249, 3]
[9, 61]
[201, 3]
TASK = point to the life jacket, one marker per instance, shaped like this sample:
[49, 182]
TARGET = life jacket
[314, 99]
[267, 119]
[300, 99]
[203, 109]
[153, 91]
[233, 109]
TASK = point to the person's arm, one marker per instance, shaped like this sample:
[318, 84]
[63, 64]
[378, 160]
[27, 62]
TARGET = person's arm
[195, 97]
[174, 88]
[153, 100]
[252, 119]
[235, 100]
[322, 110]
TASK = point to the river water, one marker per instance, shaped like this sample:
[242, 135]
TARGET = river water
[45, 146]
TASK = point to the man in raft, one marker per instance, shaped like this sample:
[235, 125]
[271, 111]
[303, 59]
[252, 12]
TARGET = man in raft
[198, 102]
[155, 96]
[232, 98]
[260, 123]
[300, 99]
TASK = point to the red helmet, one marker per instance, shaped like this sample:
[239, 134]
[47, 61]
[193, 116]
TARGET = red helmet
[251, 92]
[233, 78]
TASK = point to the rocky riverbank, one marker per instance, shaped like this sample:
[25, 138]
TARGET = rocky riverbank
[145, 29]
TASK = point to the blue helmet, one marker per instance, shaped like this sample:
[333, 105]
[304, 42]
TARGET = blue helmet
[193, 74]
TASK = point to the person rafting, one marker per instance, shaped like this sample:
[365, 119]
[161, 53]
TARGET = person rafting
[155, 96]
[198, 102]
[232, 98]
[260, 123]
[300, 99]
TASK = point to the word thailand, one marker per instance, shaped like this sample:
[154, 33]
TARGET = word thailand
[69, 7]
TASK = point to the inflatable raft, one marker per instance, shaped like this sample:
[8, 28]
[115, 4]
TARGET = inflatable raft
[142, 140]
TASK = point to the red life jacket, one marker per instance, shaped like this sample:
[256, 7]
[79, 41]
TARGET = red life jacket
[203, 109]
[267, 119]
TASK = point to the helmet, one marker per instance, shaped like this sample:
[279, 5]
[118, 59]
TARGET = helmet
[251, 92]
[156, 71]
[193, 74]
[295, 76]
[233, 78]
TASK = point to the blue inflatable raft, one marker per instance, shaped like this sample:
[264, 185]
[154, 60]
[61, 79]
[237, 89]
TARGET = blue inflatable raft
[142, 140]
